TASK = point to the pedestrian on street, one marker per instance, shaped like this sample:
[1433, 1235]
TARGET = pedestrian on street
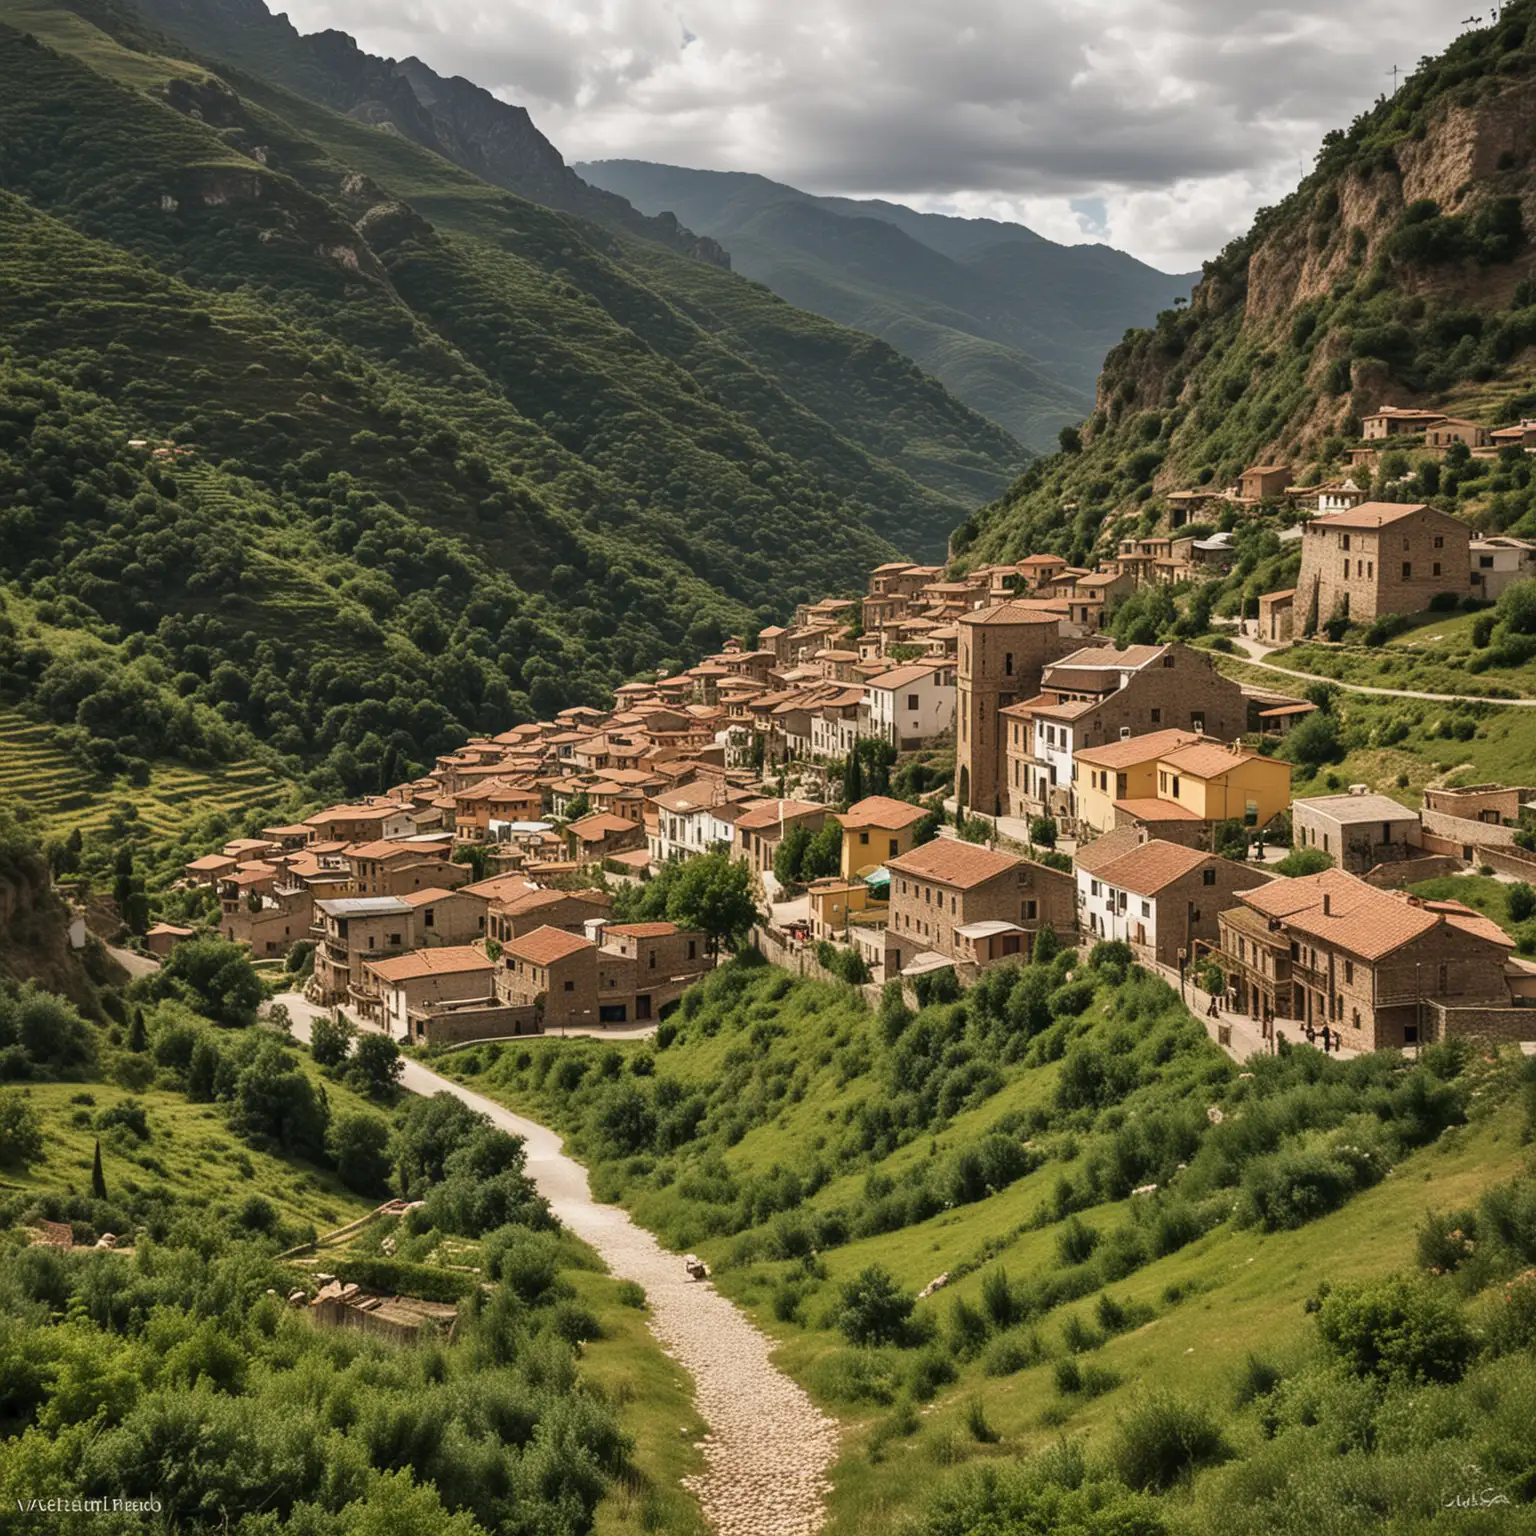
[1327, 1040]
[1311, 1033]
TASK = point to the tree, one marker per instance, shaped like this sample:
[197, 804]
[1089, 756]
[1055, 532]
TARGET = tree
[578, 806]
[853, 778]
[1143, 616]
[21, 1131]
[1403, 1328]
[376, 1065]
[1304, 861]
[824, 853]
[478, 859]
[1042, 832]
[713, 893]
[98, 1178]
[1070, 439]
[359, 1146]
[275, 1103]
[1313, 742]
[789, 858]
[216, 977]
[138, 1036]
[330, 1039]
[1521, 901]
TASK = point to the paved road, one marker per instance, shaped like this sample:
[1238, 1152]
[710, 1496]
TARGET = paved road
[134, 963]
[1253, 651]
[769, 1448]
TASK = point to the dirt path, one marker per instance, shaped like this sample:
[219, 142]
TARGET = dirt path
[1252, 652]
[769, 1447]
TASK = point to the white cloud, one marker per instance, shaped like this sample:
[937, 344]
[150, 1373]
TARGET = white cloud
[1180, 116]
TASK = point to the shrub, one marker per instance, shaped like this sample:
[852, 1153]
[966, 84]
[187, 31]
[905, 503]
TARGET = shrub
[21, 1131]
[1013, 1352]
[330, 1039]
[1304, 861]
[967, 1329]
[1521, 901]
[631, 1294]
[873, 1309]
[1257, 1379]
[976, 1422]
[931, 1369]
[359, 1145]
[1398, 1329]
[1076, 1241]
[1161, 1439]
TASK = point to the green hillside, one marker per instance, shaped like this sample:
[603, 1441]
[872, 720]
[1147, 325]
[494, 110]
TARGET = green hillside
[1399, 272]
[1162, 1267]
[435, 458]
[1016, 325]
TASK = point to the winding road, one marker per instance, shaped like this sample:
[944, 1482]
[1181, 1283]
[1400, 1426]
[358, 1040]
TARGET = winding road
[1252, 651]
[769, 1448]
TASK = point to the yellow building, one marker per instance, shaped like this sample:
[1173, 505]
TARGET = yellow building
[834, 904]
[876, 829]
[1207, 780]
[1222, 783]
[1120, 770]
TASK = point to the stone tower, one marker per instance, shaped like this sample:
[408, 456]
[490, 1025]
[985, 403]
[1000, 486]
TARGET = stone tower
[1003, 653]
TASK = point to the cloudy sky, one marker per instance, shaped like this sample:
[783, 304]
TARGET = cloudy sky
[1155, 125]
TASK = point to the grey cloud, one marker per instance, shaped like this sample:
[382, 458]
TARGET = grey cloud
[1009, 98]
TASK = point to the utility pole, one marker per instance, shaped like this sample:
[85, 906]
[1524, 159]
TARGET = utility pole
[1395, 72]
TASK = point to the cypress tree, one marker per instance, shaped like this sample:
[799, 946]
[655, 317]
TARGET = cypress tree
[98, 1178]
[138, 1036]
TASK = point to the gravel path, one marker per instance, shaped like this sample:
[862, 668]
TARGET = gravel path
[1254, 651]
[769, 1447]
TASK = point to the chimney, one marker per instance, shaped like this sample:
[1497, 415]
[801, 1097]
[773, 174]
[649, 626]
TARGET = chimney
[1327, 904]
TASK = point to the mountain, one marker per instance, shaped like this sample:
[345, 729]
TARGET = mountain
[1401, 271]
[1016, 325]
[318, 450]
[454, 117]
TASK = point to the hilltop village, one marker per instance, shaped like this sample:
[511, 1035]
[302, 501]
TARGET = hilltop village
[925, 778]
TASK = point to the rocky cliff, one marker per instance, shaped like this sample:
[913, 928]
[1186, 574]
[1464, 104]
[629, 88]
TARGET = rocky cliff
[1399, 271]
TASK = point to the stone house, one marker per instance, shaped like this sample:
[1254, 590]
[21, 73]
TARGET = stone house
[1161, 898]
[386, 822]
[1263, 481]
[1371, 964]
[1004, 651]
[396, 869]
[355, 930]
[164, 937]
[761, 828]
[494, 800]
[394, 988]
[598, 836]
[1357, 831]
[447, 917]
[264, 908]
[568, 910]
[1455, 429]
[1277, 616]
[1102, 694]
[1392, 421]
[1381, 558]
[945, 887]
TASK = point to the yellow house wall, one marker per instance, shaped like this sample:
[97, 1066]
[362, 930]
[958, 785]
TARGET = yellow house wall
[1096, 807]
[861, 858]
[1263, 780]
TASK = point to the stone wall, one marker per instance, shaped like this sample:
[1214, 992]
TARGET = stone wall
[1489, 1023]
[1509, 861]
[1467, 831]
[1405, 872]
[455, 1026]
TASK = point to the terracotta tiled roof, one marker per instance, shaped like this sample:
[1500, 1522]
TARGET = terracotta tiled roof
[535, 901]
[948, 861]
[1372, 514]
[1208, 759]
[452, 959]
[597, 826]
[643, 930]
[1157, 810]
[499, 888]
[881, 811]
[1137, 749]
[1009, 613]
[1147, 869]
[771, 812]
[903, 677]
[1094, 857]
[546, 945]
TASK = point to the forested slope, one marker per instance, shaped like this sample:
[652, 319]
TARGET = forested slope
[442, 458]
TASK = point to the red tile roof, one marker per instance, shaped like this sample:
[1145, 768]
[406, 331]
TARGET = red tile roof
[451, 959]
[881, 811]
[1136, 749]
[1147, 869]
[546, 945]
[948, 861]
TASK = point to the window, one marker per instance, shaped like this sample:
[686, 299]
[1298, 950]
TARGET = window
[394, 940]
[1028, 911]
[1208, 877]
[426, 919]
[1407, 570]
[912, 701]
[1435, 569]
[864, 837]
[1175, 786]
[1008, 662]
[1094, 887]
[693, 949]
[1370, 569]
[570, 986]
[1485, 562]
[1346, 541]
[1196, 723]
[652, 964]
[1167, 661]
[1439, 542]
[894, 845]
[1157, 717]
[1349, 970]
[1146, 909]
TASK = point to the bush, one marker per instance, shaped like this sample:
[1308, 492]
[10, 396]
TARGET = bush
[1161, 1439]
[1013, 1352]
[330, 1039]
[21, 1131]
[873, 1309]
[359, 1145]
[1403, 1329]
[1304, 861]
[1076, 1241]
[1520, 901]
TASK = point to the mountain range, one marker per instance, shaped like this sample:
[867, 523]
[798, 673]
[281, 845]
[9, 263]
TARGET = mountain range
[1014, 324]
[317, 444]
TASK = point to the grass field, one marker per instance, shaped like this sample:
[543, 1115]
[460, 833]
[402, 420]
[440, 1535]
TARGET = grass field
[40, 778]
[1200, 1312]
